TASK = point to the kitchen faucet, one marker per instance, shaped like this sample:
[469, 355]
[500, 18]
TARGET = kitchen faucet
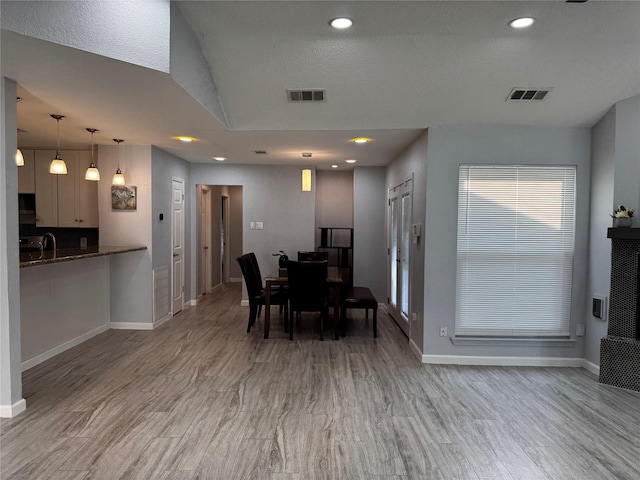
[53, 239]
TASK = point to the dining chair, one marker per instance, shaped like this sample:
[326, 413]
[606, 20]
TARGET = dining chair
[313, 256]
[255, 290]
[308, 291]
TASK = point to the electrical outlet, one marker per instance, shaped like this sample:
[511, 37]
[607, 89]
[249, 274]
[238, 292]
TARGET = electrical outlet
[443, 331]
[580, 330]
[83, 243]
[414, 316]
[259, 225]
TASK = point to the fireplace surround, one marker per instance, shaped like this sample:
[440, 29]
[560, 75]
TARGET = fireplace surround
[620, 349]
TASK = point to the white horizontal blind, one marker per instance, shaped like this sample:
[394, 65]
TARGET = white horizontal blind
[515, 250]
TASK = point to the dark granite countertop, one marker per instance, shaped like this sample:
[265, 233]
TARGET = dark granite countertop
[32, 259]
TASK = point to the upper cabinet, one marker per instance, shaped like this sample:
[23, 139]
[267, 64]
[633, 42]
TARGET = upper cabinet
[26, 173]
[77, 197]
[46, 190]
[65, 200]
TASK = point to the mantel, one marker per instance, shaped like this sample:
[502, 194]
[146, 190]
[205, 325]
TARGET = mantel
[624, 233]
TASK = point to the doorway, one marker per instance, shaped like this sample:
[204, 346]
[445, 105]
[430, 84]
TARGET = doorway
[400, 215]
[220, 230]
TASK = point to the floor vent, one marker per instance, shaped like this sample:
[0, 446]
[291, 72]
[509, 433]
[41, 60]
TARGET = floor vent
[316, 95]
[525, 94]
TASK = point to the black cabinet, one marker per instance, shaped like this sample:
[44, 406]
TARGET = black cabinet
[338, 243]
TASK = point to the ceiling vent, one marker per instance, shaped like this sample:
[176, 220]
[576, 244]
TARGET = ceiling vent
[528, 94]
[310, 95]
[260, 152]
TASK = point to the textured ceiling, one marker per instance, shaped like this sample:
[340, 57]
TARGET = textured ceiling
[402, 67]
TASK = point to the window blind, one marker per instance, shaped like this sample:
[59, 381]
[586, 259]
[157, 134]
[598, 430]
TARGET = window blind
[515, 250]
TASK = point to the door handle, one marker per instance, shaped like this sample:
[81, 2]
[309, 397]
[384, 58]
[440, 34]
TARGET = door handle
[206, 248]
[176, 255]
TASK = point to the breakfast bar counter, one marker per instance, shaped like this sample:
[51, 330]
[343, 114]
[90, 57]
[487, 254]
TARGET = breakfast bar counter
[31, 259]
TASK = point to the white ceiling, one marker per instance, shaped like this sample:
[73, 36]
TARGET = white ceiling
[402, 67]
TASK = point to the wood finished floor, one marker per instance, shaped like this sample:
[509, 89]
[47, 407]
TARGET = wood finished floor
[199, 398]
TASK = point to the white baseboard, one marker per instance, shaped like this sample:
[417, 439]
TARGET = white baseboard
[193, 303]
[235, 279]
[591, 367]
[131, 326]
[164, 319]
[503, 361]
[10, 411]
[244, 303]
[415, 349]
[383, 307]
[32, 362]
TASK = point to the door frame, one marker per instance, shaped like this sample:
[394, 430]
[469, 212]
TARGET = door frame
[205, 240]
[399, 191]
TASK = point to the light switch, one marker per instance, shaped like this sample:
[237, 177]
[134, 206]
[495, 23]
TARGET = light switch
[252, 225]
[259, 226]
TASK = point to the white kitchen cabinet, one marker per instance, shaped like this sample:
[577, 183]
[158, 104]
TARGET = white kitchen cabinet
[26, 173]
[77, 197]
[65, 200]
[46, 190]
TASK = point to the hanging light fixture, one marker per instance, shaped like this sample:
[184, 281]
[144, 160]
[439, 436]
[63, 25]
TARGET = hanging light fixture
[19, 158]
[92, 172]
[118, 178]
[57, 166]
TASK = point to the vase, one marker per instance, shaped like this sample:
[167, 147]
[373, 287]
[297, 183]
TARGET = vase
[622, 222]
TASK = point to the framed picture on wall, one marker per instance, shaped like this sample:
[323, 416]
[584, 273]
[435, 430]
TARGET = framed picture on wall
[123, 197]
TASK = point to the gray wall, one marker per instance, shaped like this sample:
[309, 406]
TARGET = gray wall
[10, 369]
[334, 200]
[602, 171]
[448, 148]
[413, 162]
[272, 194]
[370, 241]
[615, 180]
[165, 166]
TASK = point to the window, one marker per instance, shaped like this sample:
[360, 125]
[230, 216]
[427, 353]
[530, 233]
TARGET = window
[515, 250]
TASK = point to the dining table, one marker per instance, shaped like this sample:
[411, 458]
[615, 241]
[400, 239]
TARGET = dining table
[279, 278]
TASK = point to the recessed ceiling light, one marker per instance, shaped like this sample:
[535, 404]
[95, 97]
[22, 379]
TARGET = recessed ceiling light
[341, 23]
[185, 139]
[334, 166]
[351, 160]
[360, 140]
[307, 154]
[219, 159]
[523, 22]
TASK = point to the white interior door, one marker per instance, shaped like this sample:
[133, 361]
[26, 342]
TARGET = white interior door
[205, 240]
[177, 230]
[399, 249]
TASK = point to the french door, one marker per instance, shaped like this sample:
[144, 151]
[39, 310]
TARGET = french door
[399, 247]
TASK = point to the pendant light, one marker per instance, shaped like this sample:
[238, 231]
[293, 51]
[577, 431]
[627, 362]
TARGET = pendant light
[57, 166]
[19, 158]
[118, 178]
[92, 172]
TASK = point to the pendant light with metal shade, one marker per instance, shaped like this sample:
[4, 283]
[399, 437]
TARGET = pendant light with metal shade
[57, 166]
[93, 173]
[19, 158]
[118, 178]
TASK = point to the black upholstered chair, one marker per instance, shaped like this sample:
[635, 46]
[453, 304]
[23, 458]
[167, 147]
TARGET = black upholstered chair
[308, 291]
[313, 256]
[358, 297]
[255, 290]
